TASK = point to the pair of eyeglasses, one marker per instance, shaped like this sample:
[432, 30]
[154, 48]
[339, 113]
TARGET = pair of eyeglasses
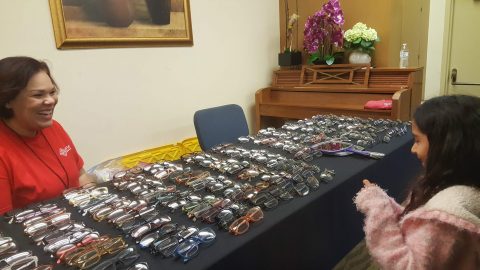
[327, 175]
[102, 212]
[197, 184]
[132, 215]
[265, 200]
[54, 221]
[191, 176]
[93, 203]
[210, 215]
[133, 207]
[43, 216]
[74, 191]
[189, 248]
[53, 232]
[65, 250]
[310, 179]
[282, 191]
[166, 229]
[97, 204]
[70, 239]
[7, 245]
[235, 194]
[151, 195]
[20, 261]
[19, 216]
[121, 260]
[196, 212]
[227, 215]
[85, 196]
[154, 224]
[91, 256]
[241, 225]
[167, 245]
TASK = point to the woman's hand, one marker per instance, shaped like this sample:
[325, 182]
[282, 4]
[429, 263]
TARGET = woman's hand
[86, 178]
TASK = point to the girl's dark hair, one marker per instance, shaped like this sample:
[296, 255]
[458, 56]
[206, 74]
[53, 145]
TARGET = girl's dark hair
[15, 73]
[452, 126]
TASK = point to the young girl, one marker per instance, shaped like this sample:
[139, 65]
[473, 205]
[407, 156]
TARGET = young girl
[439, 228]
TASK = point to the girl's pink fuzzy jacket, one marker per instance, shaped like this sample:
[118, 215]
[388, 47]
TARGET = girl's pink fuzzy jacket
[442, 234]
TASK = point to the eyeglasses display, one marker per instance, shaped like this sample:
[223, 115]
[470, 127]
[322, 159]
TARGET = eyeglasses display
[227, 187]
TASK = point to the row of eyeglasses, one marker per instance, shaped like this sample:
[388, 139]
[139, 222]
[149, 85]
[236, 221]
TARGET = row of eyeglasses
[11, 258]
[71, 242]
[364, 132]
[275, 162]
[223, 203]
[307, 138]
[141, 221]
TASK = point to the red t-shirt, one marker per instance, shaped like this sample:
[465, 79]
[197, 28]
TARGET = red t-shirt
[35, 169]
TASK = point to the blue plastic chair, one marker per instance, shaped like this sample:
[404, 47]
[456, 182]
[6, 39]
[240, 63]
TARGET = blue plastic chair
[223, 124]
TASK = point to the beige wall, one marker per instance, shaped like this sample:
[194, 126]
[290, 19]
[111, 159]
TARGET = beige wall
[118, 101]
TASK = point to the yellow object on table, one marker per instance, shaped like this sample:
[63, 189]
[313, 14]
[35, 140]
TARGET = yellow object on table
[163, 153]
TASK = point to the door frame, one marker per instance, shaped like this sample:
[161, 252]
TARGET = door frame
[447, 46]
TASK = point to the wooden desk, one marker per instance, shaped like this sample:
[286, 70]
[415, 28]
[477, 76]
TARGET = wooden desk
[338, 89]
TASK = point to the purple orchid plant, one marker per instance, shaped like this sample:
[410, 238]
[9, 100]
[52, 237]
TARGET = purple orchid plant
[323, 33]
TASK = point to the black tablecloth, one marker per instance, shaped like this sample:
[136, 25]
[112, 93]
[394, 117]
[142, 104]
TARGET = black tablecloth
[312, 232]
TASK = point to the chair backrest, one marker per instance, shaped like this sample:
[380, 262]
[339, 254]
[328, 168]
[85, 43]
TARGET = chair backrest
[223, 124]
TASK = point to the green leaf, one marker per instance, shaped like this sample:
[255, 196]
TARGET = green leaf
[312, 58]
[357, 41]
[366, 44]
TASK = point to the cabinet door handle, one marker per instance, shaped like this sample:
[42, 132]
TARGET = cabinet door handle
[453, 76]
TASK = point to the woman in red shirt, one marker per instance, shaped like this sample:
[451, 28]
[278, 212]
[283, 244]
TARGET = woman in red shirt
[38, 160]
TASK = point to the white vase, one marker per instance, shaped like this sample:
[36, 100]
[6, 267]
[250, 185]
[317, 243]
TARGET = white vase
[358, 57]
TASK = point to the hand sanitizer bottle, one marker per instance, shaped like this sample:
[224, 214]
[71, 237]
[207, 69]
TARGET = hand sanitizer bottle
[404, 56]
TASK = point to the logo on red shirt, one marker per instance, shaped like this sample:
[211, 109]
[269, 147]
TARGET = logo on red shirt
[64, 151]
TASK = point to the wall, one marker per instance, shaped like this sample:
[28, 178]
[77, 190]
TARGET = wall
[118, 101]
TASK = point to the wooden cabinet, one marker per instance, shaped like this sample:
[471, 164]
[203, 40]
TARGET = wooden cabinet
[337, 89]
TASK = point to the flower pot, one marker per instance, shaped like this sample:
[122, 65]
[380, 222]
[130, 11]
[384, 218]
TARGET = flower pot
[159, 11]
[358, 57]
[289, 59]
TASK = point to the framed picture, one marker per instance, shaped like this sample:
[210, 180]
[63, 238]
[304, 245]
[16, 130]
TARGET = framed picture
[121, 23]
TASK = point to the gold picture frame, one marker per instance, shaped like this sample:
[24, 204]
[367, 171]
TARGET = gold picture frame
[121, 23]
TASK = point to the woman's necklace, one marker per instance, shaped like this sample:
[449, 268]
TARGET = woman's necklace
[41, 160]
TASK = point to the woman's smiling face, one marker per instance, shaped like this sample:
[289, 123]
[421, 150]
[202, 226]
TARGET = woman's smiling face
[33, 107]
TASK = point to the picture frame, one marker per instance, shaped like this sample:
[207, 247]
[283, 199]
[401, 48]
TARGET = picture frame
[121, 23]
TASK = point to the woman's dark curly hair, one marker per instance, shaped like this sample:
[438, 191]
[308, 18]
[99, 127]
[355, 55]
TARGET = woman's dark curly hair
[452, 126]
[15, 73]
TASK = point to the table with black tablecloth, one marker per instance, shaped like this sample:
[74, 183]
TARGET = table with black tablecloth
[311, 232]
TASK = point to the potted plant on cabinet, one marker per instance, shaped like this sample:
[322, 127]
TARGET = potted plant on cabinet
[289, 56]
[323, 34]
[360, 43]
